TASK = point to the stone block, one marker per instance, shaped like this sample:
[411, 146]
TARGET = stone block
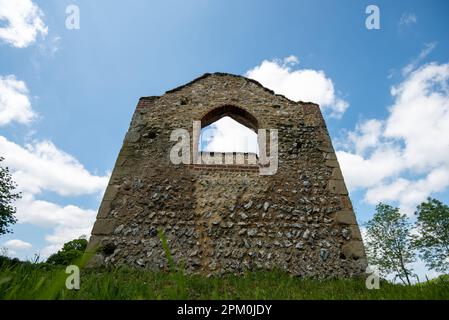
[355, 232]
[111, 192]
[345, 217]
[97, 261]
[332, 163]
[353, 249]
[105, 209]
[133, 136]
[103, 227]
[336, 174]
[346, 202]
[331, 156]
[325, 148]
[337, 187]
[94, 243]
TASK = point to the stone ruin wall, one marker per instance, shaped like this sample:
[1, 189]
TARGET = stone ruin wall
[228, 219]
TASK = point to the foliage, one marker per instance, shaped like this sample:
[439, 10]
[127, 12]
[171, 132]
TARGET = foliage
[432, 239]
[441, 278]
[7, 196]
[70, 252]
[7, 261]
[388, 242]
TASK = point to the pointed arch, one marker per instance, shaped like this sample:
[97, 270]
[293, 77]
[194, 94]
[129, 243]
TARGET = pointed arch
[238, 114]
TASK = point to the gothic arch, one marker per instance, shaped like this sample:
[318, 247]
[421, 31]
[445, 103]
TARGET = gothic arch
[238, 114]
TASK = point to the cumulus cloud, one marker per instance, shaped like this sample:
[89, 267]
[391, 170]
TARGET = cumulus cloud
[405, 157]
[39, 167]
[299, 84]
[23, 21]
[421, 115]
[42, 166]
[365, 172]
[366, 135]
[17, 244]
[14, 101]
[48, 214]
[66, 222]
[227, 135]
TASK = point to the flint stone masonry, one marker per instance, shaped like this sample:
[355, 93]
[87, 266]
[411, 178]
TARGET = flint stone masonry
[227, 218]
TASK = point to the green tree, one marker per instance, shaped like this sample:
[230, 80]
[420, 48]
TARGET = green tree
[7, 196]
[432, 239]
[388, 243]
[71, 251]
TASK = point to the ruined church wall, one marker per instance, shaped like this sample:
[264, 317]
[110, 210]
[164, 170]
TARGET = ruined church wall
[229, 219]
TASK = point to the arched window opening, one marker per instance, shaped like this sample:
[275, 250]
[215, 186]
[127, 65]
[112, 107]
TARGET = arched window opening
[228, 135]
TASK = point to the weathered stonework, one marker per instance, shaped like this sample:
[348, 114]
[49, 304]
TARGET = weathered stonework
[229, 218]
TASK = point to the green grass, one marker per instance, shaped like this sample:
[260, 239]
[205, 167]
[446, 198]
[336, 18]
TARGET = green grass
[40, 281]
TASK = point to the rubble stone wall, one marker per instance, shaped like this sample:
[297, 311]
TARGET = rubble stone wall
[228, 218]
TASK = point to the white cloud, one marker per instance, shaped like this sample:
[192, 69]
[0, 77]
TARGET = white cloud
[420, 117]
[17, 244]
[408, 192]
[7, 252]
[407, 19]
[292, 60]
[23, 22]
[227, 135]
[42, 166]
[366, 135]
[49, 250]
[404, 158]
[366, 172]
[66, 222]
[419, 268]
[48, 214]
[14, 102]
[301, 84]
[428, 48]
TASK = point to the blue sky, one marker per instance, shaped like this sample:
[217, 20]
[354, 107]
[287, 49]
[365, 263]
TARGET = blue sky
[77, 90]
